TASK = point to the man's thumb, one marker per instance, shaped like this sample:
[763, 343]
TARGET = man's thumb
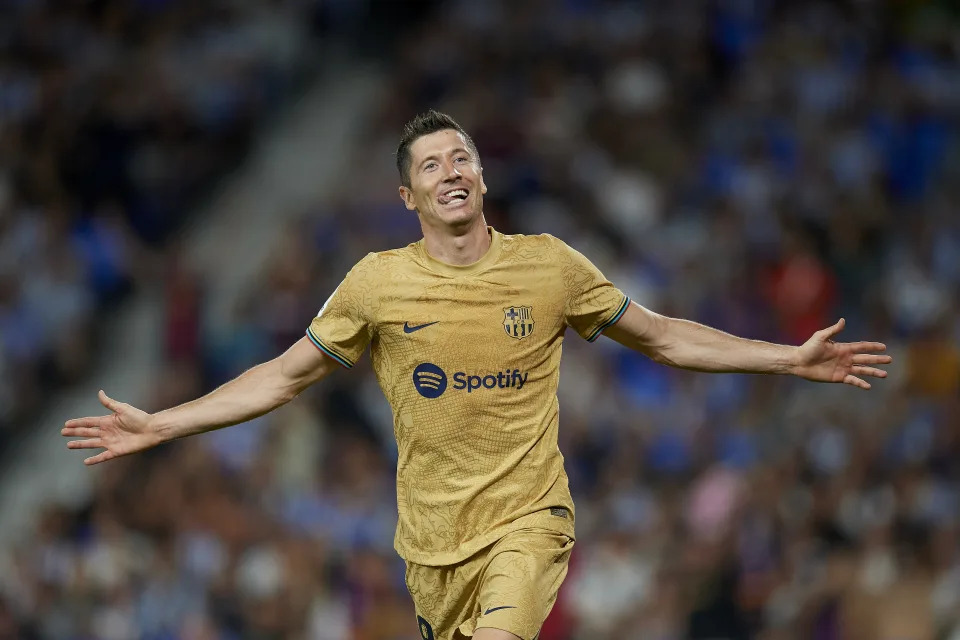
[108, 402]
[833, 330]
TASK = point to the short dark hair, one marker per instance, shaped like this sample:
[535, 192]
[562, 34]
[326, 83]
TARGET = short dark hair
[423, 125]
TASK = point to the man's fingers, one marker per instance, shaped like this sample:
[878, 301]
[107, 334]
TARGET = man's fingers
[867, 347]
[869, 371]
[109, 402]
[856, 382]
[864, 358]
[829, 332]
[91, 443]
[92, 421]
[80, 432]
[100, 457]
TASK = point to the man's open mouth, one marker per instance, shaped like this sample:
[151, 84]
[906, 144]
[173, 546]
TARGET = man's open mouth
[453, 195]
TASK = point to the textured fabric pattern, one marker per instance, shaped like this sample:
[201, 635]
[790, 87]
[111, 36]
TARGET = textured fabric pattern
[511, 585]
[468, 358]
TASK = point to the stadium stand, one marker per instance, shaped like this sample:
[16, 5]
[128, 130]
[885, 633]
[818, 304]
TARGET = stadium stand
[115, 118]
[760, 167]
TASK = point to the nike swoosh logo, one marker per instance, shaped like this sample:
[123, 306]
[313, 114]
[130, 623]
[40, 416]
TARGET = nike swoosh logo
[491, 610]
[408, 329]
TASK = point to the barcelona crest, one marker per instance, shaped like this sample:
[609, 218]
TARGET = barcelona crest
[518, 322]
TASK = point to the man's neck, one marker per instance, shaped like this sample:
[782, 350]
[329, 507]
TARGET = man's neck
[458, 249]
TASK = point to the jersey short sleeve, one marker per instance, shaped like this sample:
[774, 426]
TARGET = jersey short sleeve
[592, 302]
[344, 326]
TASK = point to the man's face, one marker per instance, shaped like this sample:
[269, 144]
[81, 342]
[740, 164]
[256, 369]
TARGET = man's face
[446, 183]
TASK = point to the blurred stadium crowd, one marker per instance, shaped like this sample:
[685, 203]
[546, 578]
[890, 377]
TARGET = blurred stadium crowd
[763, 167]
[114, 117]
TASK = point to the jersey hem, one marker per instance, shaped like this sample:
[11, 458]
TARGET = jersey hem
[616, 316]
[318, 343]
[541, 519]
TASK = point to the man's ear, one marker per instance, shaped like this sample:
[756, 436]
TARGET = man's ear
[407, 196]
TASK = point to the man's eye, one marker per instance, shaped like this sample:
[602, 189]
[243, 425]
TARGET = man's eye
[430, 165]
[461, 159]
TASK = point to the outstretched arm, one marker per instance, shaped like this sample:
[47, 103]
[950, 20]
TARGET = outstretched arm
[688, 345]
[257, 391]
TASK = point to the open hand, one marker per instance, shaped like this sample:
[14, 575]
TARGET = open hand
[126, 430]
[823, 360]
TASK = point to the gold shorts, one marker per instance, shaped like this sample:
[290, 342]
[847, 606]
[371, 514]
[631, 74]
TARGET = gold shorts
[510, 585]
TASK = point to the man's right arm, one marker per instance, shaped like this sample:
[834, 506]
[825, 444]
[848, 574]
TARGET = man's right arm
[255, 392]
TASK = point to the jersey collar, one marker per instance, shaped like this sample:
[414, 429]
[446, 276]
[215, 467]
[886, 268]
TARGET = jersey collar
[485, 261]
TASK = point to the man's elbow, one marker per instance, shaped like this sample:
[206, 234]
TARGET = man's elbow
[286, 381]
[292, 386]
[287, 393]
[659, 343]
[661, 355]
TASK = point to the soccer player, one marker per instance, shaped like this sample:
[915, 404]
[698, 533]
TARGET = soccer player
[465, 328]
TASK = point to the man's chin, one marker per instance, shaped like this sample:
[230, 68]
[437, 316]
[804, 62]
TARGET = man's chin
[459, 216]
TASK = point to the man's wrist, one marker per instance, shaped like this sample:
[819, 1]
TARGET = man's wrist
[791, 361]
[158, 429]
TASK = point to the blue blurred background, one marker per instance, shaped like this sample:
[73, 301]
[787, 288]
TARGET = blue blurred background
[182, 184]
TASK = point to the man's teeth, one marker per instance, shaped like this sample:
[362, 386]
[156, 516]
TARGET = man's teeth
[458, 193]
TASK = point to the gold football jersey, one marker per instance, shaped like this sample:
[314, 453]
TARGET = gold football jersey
[469, 359]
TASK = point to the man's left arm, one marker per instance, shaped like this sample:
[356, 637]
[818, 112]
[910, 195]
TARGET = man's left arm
[688, 345]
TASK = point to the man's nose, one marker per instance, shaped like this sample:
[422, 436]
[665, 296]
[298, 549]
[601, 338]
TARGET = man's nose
[451, 172]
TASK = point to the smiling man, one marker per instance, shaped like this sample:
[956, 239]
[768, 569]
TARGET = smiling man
[465, 329]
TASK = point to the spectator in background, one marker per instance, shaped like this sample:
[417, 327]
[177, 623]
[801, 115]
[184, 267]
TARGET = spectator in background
[712, 153]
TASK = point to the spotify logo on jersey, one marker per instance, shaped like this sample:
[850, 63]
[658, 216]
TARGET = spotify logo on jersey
[429, 380]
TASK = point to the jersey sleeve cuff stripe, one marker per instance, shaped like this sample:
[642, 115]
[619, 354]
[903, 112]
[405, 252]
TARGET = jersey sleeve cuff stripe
[318, 343]
[620, 311]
